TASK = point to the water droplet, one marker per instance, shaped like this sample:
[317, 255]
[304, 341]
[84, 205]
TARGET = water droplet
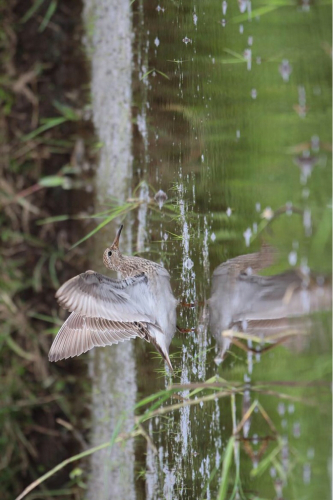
[242, 4]
[281, 409]
[247, 235]
[187, 40]
[289, 208]
[292, 258]
[248, 58]
[272, 472]
[307, 222]
[285, 70]
[291, 408]
[268, 213]
[188, 263]
[307, 473]
[297, 430]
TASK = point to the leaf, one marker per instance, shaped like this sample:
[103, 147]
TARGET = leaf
[51, 181]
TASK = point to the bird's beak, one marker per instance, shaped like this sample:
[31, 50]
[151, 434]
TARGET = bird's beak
[116, 240]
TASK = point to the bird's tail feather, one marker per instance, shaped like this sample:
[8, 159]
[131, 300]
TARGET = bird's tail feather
[157, 338]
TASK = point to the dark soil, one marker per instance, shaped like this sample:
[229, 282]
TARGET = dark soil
[41, 71]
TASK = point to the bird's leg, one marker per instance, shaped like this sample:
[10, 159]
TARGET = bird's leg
[185, 330]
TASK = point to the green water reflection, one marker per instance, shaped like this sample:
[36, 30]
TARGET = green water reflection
[235, 124]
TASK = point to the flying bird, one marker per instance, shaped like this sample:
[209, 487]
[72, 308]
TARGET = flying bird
[106, 311]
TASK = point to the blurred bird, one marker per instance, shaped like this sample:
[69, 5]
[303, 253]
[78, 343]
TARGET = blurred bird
[106, 311]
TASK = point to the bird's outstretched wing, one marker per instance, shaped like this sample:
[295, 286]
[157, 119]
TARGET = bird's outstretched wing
[79, 334]
[104, 312]
[94, 295]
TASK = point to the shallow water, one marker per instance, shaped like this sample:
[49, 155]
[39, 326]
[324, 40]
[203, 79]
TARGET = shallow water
[231, 109]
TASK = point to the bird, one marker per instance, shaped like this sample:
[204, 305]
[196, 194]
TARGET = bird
[244, 301]
[106, 311]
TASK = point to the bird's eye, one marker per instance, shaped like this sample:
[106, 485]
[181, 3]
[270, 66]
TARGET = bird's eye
[109, 253]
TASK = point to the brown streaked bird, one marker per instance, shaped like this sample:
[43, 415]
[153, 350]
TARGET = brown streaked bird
[246, 302]
[106, 311]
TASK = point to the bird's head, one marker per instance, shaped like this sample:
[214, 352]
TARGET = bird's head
[112, 257]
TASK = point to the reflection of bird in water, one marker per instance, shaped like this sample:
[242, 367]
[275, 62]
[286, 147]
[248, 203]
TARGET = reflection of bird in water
[243, 5]
[262, 305]
[106, 311]
[306, 164]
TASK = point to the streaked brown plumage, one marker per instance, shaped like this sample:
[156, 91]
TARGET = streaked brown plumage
[106, 311]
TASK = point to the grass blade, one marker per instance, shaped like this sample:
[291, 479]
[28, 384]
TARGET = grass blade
[52, 122]
[117, 212]
[157, 71]
[235, 54]
[50, 11]
[256, 12]
[87, 236]
[45, 317]
[53, 270]
[152, 397]
[66, 111]
[49, 220]
[63, 464]
[51, 181]
[18, 350]
[225, 469]
[30, 12]
[161, 73]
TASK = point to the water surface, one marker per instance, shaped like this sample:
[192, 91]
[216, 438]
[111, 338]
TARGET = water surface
[231, 112]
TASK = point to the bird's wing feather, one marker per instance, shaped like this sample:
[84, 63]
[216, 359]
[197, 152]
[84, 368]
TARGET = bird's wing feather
[161, 271]
[97, 296]
[79, 334]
